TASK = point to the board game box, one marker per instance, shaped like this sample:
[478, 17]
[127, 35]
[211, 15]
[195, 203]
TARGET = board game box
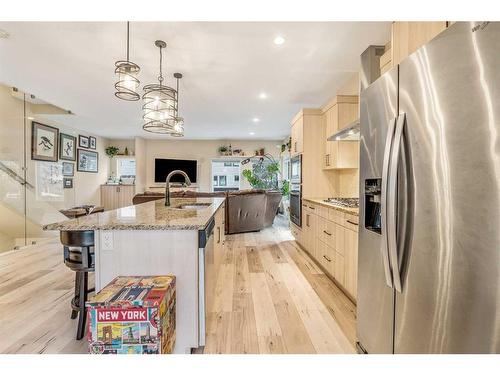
[133, 315]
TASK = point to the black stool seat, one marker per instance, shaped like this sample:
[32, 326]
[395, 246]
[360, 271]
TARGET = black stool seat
[79, 257]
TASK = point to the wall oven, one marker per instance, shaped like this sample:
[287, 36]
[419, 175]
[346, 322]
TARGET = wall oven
[296, 204]
[296, 169]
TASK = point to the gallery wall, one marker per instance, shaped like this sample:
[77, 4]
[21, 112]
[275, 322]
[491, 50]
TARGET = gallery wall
[15, 151]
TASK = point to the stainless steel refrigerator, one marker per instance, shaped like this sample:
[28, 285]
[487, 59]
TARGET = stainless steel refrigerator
[429, 238]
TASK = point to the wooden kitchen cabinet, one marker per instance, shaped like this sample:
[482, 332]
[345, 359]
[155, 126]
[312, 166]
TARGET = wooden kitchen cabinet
[297, 136]
[219, 229]
[351, 262]
[340, 112]
[116, 196]
[407, 37]
[330, 236]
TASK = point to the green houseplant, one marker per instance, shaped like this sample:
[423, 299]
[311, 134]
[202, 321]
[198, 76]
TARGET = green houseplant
[112, 151]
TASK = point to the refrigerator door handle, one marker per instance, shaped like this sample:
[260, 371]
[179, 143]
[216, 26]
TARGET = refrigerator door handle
[392, 203]
[384, 248]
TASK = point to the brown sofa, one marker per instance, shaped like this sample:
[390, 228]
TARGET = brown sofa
[246, 210]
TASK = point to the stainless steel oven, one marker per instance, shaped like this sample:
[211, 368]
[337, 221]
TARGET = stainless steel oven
[296, 169]
[296, 204]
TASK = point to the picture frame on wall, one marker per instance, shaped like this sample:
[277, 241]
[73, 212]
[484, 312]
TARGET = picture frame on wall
[67, 183]
[67, 147]
[92, 143]
[68, 169]
[83, 141]
[44, 142]
[88, 161]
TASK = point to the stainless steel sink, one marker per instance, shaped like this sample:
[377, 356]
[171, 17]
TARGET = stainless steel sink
[192, 206]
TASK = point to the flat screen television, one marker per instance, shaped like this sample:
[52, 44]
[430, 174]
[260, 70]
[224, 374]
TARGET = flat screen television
[164, 166]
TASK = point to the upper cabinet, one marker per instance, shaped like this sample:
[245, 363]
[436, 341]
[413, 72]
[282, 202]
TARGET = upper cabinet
[297, 135]
[407, 37]
[340, 112]
[308, 139]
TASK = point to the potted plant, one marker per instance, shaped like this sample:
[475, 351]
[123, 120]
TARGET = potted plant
[222, 149]
[112, 151]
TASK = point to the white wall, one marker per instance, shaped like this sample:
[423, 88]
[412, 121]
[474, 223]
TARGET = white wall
[203, 151]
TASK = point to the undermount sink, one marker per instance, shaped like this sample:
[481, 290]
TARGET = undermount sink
[192, 206]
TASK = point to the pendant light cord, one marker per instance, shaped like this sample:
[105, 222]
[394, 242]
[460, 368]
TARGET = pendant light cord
[127, 40]
[160, 77]
[177, 110]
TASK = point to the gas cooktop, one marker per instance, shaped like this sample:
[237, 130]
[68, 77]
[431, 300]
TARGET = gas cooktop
[344, 202]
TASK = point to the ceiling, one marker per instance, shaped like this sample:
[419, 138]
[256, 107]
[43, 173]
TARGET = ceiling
[225, 66]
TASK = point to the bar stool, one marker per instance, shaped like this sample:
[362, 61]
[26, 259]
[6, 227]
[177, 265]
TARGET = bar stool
[79, 257]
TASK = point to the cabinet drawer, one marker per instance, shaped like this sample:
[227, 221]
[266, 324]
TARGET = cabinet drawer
[322, 211]
[336, 216]
[326, 232]
[326, 257]
[351, 222]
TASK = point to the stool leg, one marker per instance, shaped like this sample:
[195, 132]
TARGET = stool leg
[82, 312]
[74, 313]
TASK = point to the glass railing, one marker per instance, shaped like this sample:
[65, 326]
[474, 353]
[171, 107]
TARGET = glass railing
[34, 191]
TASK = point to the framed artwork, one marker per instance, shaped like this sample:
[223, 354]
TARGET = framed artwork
[87, 161]
[44, 142]
[67, 147]
[68, 169]
[93, 143]
[83, 141]
[67, 183]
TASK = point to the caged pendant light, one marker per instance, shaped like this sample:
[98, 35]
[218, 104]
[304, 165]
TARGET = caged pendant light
[127, 71]
[178, 130]
[159, 103]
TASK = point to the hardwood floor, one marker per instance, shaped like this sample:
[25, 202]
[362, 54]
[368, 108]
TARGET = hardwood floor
[270, 298]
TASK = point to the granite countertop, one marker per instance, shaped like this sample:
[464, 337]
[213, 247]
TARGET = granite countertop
[347, 210]
[147, 216]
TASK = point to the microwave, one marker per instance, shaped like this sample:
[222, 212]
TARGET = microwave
[296, 169]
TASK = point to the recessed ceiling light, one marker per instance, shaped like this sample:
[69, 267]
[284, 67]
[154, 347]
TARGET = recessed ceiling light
[255, 119]
[263, 95]
[31, 118]
[251, 133]
[279, 40]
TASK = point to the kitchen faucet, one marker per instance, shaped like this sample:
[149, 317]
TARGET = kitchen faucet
[187, 182]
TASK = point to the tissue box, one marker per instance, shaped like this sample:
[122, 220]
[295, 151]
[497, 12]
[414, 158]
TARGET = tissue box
[133, 315]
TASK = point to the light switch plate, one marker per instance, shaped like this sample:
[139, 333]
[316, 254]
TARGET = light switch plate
[107, 240]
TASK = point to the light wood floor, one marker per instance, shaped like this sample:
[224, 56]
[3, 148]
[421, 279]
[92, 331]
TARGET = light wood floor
[270, 298]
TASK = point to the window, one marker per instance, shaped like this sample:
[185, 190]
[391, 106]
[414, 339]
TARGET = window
[216, 181]
[236, 178]
[125, 167]
[222, 181]
[228, 164]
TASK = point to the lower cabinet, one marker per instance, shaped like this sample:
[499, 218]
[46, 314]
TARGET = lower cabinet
[331, 238]
[116, 196]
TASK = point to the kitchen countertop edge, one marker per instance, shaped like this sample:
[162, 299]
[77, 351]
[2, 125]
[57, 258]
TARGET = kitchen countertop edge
[347, 210]
[72, 224]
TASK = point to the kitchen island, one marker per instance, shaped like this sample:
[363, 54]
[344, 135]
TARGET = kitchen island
[153, 239]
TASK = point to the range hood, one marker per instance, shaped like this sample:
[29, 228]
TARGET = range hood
[349, 133]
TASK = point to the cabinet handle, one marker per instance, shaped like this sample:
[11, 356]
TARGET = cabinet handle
[327, 233]
[218, 234]
[312, 208]
[307, 219]
[328, 259]
[295, 146]
[352, 222]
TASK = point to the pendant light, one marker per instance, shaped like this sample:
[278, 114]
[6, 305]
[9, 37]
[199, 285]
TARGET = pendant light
[159, 103]
[127, 84]
[178, 130]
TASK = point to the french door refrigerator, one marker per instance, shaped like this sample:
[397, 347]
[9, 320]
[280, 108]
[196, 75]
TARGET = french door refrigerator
[429, 238]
